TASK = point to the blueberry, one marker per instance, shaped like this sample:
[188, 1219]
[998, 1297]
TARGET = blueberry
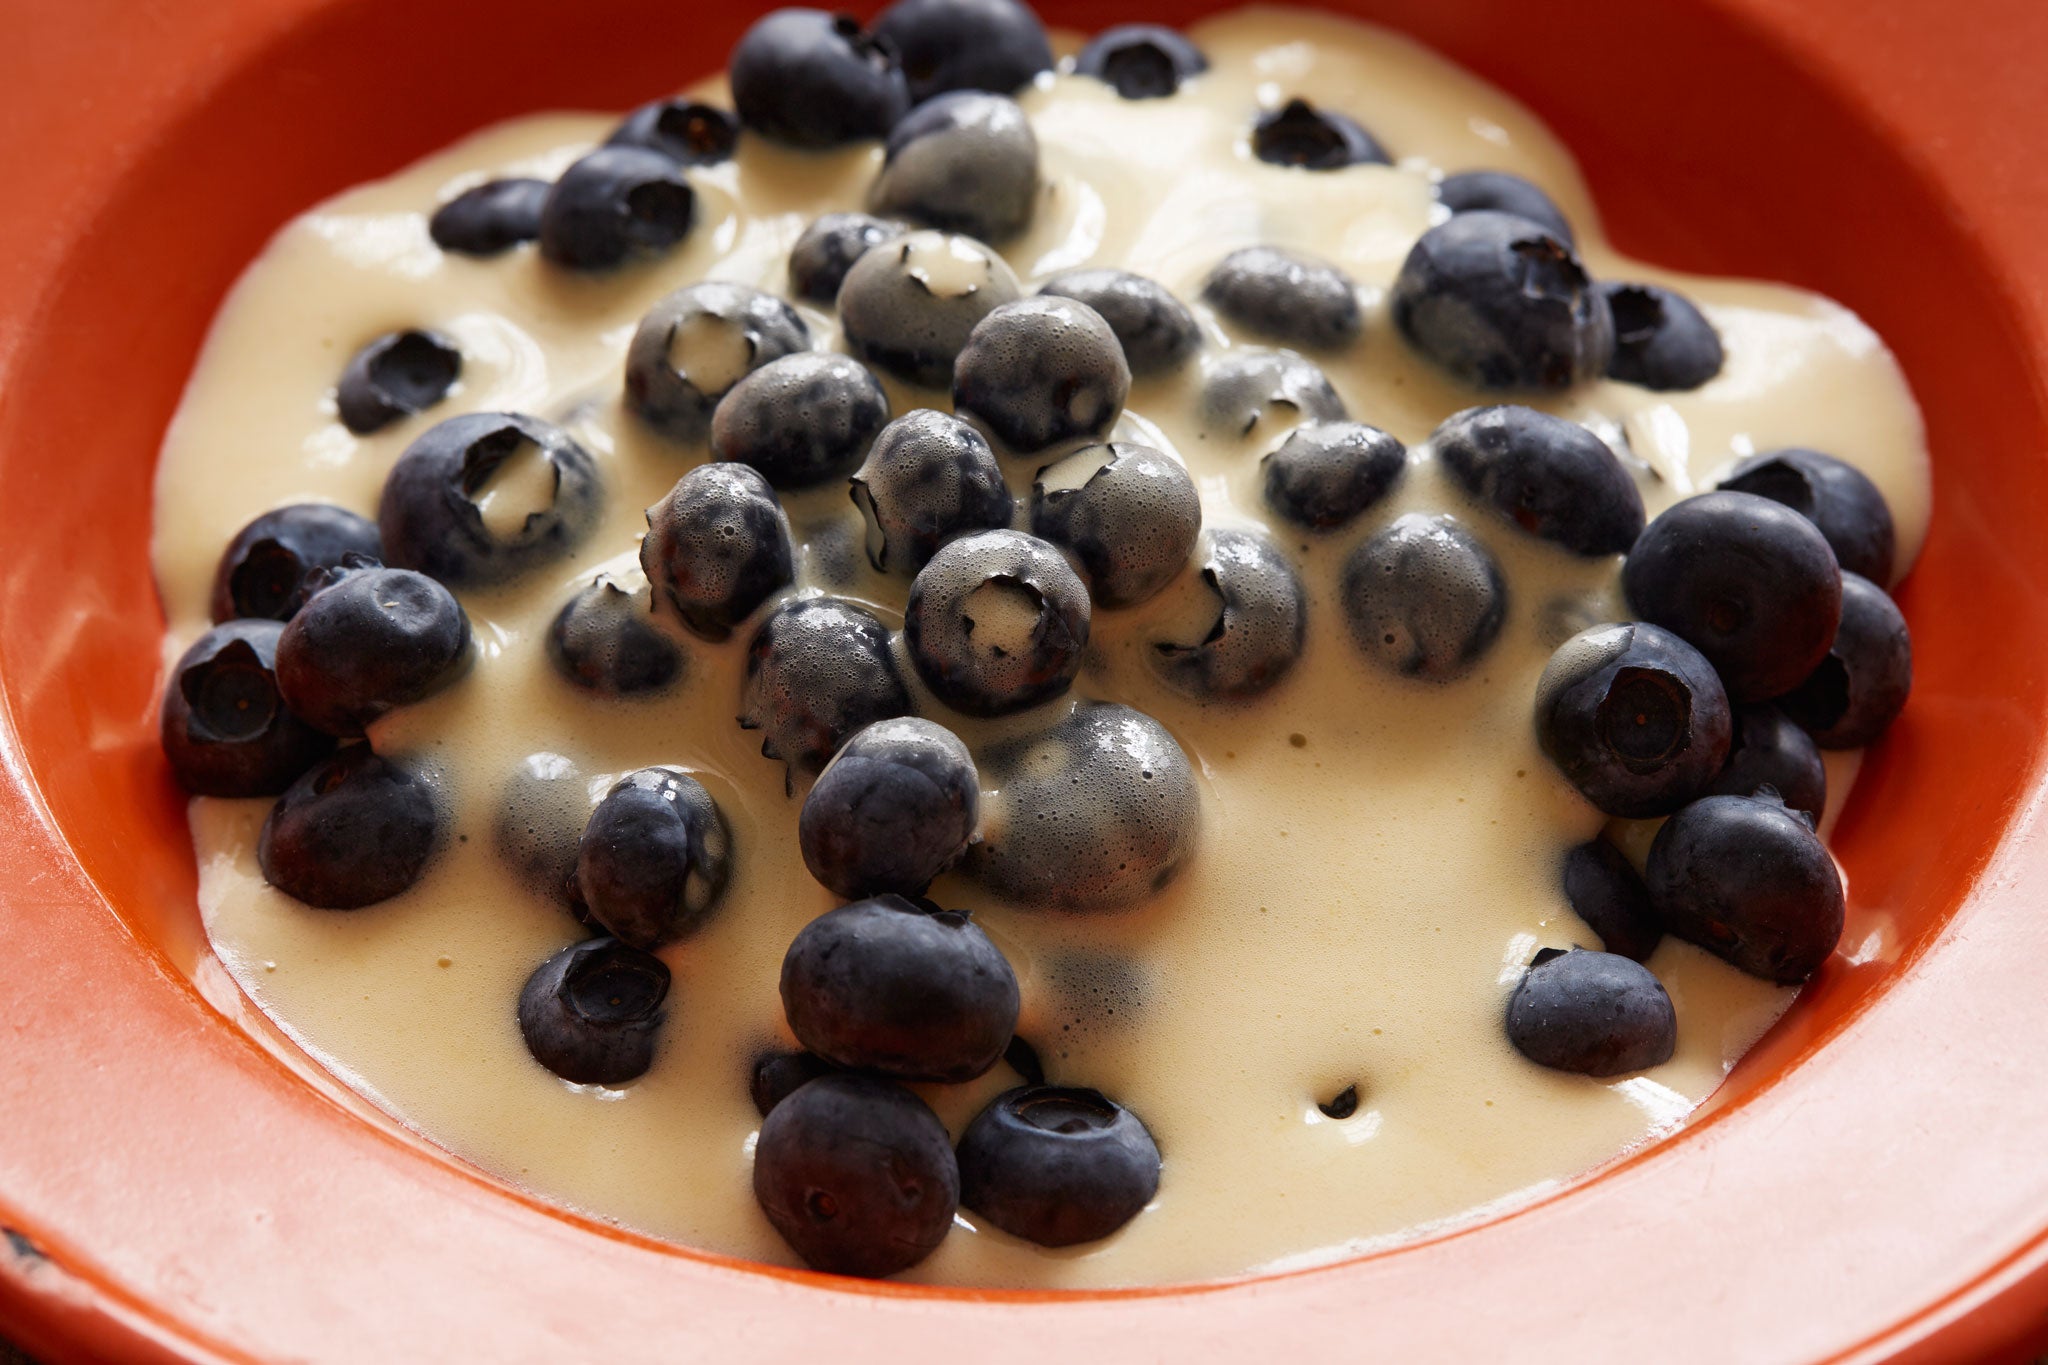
[1598, 1014]
[1096, 812]
[964, 162]
[813, 79]
[698, 342]
[1299, 134]
[803, 420]
[1746, 581]
[489, 218]
[1142, 61]
[1127, 513]
[882, 985]
[398, 374]
[604, 641]
[1040, 371]
[654, 859]
[540, 820]
[367, 643]
[908, 306]
[1423, 598]
[616, 206]
[1858, 690]
[928, 477]
[827, 250]
[263, 571]
[717, 547]
[224, 727]
[1635, 717]
[1770, 750]
[350, 832]
[1500, 192]
[1023, 1059]
[1553, 478]
[1057, 1166]
[684, 131]
[1261, 616]
[1325, 475]
[592, 1013]
[1607, 892]
[1341, 1105]
[1252, 385]
[818, 670]
[996, 623]
[1155, 329]
[1285, 296]
[1661, 341]
[858, 1176]
[1833, 495]
[995, 45]
[1749, 881]
[483, 498]
[1501, 303]
[893, 809]
[777, 1075]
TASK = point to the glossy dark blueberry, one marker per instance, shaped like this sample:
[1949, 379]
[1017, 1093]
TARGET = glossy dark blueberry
[398, 374]
[717, 547]
[1254, 389]
[1127, 513]
[1746, 581]
[1635, 717]
[694, 345]
[616, 206]
[1324, 475]
[909, 305]
[928, 477]
[893, 809]
[1552, 478]
[1499, 302]
[1299, 134]
[1770, 750]
[1832, 494]
[1661, 341]
[965, 161]
[483, 498]
[605, 641]
[489, 218]
[1057, 1166]
[593, 1012]
[654, 859]
[1598, 1014]
[1155, 329]
[1423, 598]
[827, 250]
[883, 985]
[350, 832]
[367, 643]
[858, 1176]
[1142, 61]
[684, 131]
[540, 820]
[813, 79]
[1501, 192]
[1285, 296]
[777, 1075]
[802, 420]
[1749, 881]
[1607, 892]
[224, 725]
[1040, 371]
[995, 45]
[818, 670]
[262, 573]
[1261, 616]
[1858, 690]
[1094, 813]
[996, 623]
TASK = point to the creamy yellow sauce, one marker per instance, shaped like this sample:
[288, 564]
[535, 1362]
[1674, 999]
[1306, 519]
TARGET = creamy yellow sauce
[1378, 860]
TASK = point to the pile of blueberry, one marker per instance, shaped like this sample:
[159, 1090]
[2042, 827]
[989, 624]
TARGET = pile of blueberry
[1764, 629]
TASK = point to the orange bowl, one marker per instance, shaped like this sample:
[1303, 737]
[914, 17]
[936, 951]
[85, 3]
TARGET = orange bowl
[178, 1182]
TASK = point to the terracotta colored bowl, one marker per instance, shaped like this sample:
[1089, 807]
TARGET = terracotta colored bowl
[175, 1181]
